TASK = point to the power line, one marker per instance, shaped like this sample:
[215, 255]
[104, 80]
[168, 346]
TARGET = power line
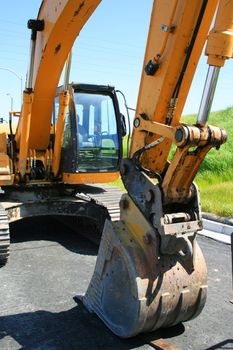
[13, 34]
[10, 22]
[116, 43]
[12, 53]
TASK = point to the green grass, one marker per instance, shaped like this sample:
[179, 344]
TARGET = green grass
[217, 198]
[215, 177]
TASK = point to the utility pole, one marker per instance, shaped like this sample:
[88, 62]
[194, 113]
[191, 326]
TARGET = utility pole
[12, 101]
[19, 77]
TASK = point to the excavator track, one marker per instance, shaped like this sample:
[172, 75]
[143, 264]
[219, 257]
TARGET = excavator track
[104, 204]
[107, 196]
[4, 237]
[104, 196]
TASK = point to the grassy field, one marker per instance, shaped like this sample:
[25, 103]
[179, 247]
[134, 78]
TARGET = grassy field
[215, 177]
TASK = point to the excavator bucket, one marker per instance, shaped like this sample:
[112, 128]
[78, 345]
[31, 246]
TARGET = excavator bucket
[134, 287]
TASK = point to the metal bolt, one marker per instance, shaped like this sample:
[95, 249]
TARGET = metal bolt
[164, 27]
[147, 238]
[124, 203]
[136, 122]
[172, 28]
[149, 196]
[179, 135]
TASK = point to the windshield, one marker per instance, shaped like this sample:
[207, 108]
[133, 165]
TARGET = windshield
[98, 147]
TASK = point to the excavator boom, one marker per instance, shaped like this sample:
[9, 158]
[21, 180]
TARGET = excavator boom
[150, 272]
[61, 22]
[178, 31]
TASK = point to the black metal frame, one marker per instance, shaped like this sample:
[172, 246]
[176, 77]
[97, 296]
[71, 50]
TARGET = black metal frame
[71, 154]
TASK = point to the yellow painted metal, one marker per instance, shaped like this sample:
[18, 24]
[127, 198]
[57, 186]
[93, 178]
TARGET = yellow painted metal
[179, 177]
[6, 171]
[89, 178]
[3, 141]
[156, 92]
[64, 98]
[136, 223]
[6, 166]
[156, 128]
[63, 21]
[25, 127]
[6, 180]
[194, 58]
[186, 162]
[220, 41]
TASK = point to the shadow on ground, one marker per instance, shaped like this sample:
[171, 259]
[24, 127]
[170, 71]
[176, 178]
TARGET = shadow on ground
[224, 345]
[78, 329]
[51, 229]
[72, 329]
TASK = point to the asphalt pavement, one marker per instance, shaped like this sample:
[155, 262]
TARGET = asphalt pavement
[50, 264]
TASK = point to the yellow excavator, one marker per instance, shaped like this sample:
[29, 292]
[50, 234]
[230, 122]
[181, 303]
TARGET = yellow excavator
[150, 272]
[64, 137]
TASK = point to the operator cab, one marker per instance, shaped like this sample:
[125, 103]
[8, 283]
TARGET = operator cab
[93, 131]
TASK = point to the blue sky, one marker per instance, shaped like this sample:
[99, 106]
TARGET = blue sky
[109, 50]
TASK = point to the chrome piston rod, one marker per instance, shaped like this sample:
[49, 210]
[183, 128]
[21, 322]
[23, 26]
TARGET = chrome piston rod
[67, 71]
[208, 95]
